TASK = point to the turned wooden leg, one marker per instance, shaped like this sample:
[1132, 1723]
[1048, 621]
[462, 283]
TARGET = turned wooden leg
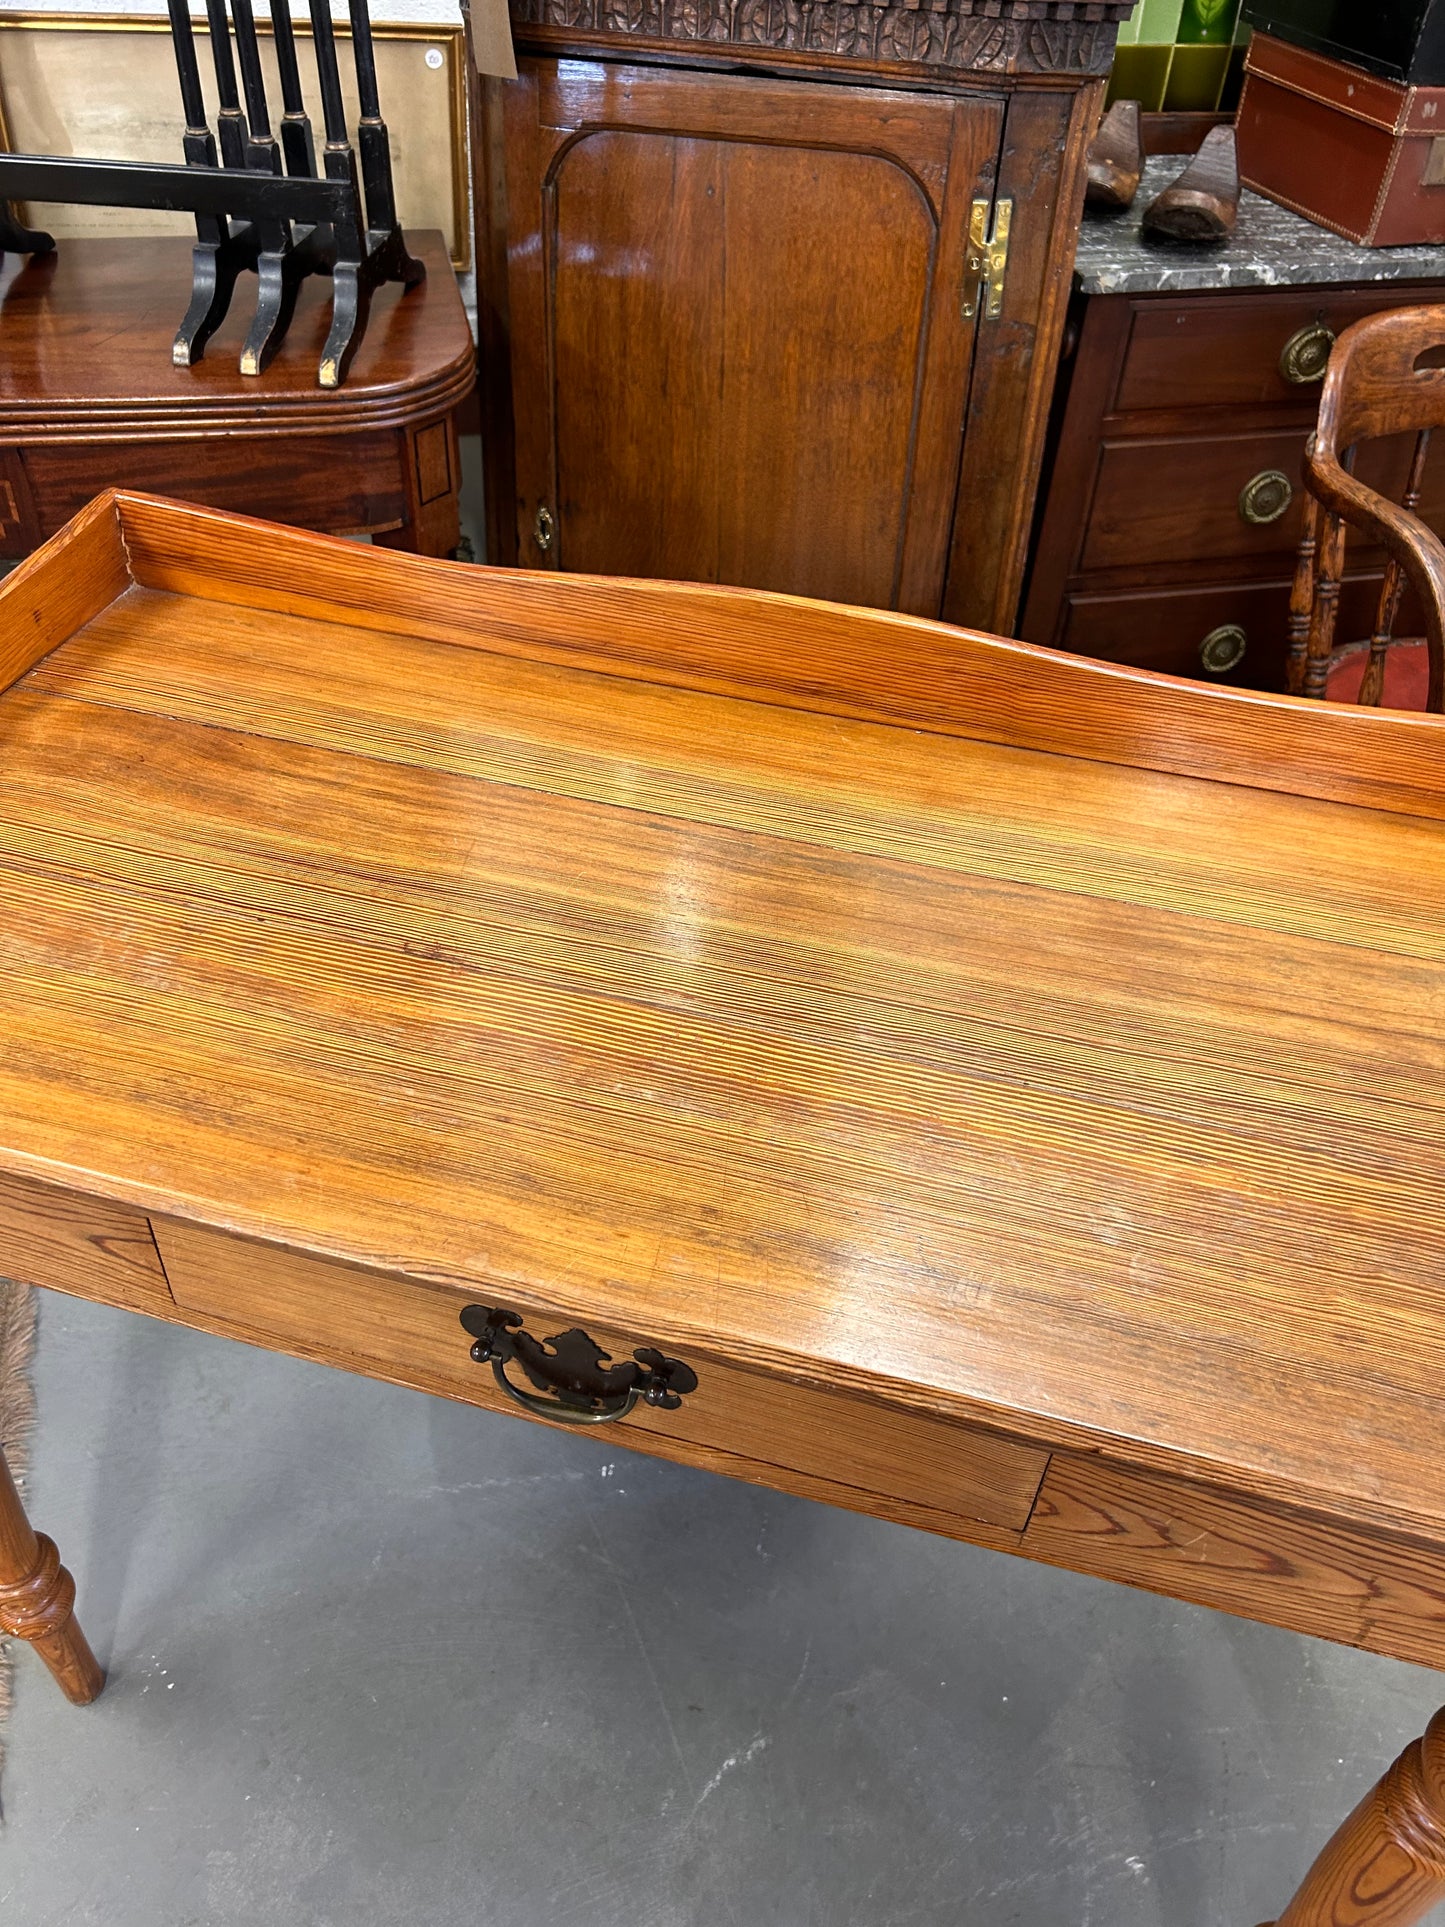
[37, 1595]
[1385, 1867]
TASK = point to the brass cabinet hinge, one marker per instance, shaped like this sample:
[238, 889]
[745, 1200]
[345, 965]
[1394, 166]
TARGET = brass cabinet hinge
[987, 259]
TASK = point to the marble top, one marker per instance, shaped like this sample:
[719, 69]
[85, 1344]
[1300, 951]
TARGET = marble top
[1270, 248]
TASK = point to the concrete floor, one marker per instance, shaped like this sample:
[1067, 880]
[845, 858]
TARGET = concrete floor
[378, 1659]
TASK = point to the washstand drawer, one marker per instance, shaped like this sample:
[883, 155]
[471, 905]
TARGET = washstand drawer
[398, 1329]
[85, 1246]
[1223, 498]
[1240, 350]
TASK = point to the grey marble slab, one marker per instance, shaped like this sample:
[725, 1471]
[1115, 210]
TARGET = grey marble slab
[1270, 248]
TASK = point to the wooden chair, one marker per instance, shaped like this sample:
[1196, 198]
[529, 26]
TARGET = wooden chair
[1386, 377]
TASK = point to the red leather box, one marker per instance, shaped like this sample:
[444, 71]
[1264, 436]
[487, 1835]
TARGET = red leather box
[1351, 150]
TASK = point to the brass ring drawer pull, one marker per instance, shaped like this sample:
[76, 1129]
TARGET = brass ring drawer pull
[1306, 355]
[1223, 649]
[576, 1381]
[1265, 497]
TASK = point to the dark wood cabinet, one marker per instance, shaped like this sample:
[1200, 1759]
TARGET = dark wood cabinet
[736, 303]
[737, 324]
[1171, 512]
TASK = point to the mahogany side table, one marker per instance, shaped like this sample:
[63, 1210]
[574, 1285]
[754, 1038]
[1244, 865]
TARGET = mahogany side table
[986, 1088]
[90, 399]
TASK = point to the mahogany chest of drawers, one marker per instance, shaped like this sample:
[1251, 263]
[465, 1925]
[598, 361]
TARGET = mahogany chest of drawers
[1171, 506]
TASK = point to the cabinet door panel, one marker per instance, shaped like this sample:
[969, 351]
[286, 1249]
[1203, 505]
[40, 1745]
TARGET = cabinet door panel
[743, 305]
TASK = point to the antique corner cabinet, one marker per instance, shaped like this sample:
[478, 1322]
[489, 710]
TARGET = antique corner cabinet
[772, 290]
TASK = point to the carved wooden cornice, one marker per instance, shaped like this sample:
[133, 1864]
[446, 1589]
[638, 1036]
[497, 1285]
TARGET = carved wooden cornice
[958, 36]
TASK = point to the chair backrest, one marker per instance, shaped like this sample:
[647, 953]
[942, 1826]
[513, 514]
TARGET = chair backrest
[1386, 377]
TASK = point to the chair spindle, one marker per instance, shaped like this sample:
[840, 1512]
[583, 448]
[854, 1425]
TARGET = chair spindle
[1329, 570]
[1392, 588]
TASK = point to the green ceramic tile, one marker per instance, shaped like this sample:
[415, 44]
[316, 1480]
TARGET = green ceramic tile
[1208, 23]
[1196, 75]
[1180, 55]
[1159, 22]
[1142, 74]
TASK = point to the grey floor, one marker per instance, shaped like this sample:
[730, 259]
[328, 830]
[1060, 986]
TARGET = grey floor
[376, 1658]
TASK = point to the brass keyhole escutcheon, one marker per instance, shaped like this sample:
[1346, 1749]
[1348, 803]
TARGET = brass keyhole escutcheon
[1223, 649]
[544, 528]
[1306, 355]
[1265, 497]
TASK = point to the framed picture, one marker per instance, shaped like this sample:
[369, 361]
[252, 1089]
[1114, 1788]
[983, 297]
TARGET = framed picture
[104, 85]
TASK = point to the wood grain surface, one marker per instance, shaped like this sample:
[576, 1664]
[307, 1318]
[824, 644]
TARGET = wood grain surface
[87, 1246]
[899, 1025]
[1382, 1593]
[37, 1599]
[1384, 379]
[728, 318]
[1385, 1865]
[1091, 1104]
[1174, 403]
[813, 656]
[85, 350]
[63, 585]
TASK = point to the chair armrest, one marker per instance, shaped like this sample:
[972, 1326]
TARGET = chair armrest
[1416, 547]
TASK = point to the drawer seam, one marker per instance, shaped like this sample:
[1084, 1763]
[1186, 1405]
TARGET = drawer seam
[170, 1288]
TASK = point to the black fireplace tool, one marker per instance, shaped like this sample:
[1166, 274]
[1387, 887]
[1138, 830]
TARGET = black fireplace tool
[260, 205]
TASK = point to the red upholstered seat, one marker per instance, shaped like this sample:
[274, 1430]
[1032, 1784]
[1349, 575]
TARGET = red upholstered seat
[1407, 674]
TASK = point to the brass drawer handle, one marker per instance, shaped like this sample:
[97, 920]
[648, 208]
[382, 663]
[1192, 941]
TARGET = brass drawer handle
[586, 1387]
[1265, 497]
[544, 527]
[1223, 649]
[1306, 355]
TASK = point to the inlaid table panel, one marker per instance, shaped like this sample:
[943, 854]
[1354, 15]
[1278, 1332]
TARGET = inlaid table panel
[985, 1087]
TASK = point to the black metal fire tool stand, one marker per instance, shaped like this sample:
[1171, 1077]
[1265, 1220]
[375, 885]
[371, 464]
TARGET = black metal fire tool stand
[250, 216]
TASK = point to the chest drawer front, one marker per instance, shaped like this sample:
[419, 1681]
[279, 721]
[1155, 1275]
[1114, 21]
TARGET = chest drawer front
[1233, 632]
[79, 1245]
[396, 1329]
[1179, 500]
[1234, 350]
[1192, 499]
